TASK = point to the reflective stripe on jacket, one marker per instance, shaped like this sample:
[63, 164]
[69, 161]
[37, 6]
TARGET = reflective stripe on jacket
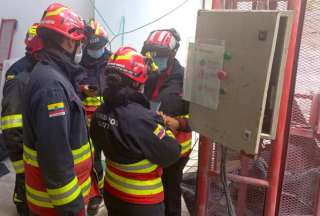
[43, 199]
[138, 183]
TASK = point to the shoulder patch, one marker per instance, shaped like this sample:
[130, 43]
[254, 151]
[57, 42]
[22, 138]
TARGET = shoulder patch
[159, 131]
[56, 109]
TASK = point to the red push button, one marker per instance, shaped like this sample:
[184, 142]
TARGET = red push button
[222, 75]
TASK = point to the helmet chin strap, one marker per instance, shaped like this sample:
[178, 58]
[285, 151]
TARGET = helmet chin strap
[75, 50]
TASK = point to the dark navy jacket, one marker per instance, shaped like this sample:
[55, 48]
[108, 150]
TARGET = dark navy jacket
[124, 128]
[54, 123]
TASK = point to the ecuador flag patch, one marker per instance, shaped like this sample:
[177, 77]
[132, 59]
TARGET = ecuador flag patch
[56, 109]
[159, 131]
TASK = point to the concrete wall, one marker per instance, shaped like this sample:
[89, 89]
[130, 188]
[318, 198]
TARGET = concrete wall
[30, 11]
[139, 12]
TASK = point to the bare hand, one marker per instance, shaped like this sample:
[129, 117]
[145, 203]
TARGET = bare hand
[163, 116]
[89, 92]
[172, 123]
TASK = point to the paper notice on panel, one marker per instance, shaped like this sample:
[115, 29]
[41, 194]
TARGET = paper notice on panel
[202, 85]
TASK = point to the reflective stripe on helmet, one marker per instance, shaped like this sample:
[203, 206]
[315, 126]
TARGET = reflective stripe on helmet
[56, 12]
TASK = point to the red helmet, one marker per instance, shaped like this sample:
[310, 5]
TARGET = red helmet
[33, 41]
[63, 20]
[97, 35]
[130, 63]
[162, 42]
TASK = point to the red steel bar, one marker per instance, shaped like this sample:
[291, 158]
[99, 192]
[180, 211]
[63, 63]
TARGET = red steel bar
[314, 115]
[242, 192]
[317, 200]
[281, 142]
[302, 132]
[249, 180]
[244, 179]
[205, 156]
[216, 4]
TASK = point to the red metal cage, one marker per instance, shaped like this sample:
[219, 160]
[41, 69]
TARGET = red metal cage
[285, 178]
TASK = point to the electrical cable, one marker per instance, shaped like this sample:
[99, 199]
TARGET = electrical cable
[151, 22]
[102, 18]
[223, 175]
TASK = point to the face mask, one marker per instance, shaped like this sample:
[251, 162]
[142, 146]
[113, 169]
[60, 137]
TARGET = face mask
[161, 62]
[78, 56]
[95, 53]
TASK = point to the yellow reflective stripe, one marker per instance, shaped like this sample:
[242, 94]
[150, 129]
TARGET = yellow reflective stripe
[32, 30]
[158, 129]
[170, 134]
[85, 187]
[81, 154]
[123, 57]
[43, 199]
[36, 202]
[101, 183]
[10, 77]
[135, 187]
[11, 121]
[65, 194]
[16, 199]
[92, 101]
[97, 29]
[30, 161]
[18, 166]
[30, 156]
[186, 146]
[38, 198]
[135, 182]
[186, 143]
[30, 151]
[65, 188]
[144, 166]
[183, 116]
[55, 12]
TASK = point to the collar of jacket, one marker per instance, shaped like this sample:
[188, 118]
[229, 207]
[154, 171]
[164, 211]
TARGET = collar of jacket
[63, 63]
[124, 96]
[174, 77]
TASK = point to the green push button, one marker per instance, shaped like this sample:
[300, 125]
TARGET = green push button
[227, 56]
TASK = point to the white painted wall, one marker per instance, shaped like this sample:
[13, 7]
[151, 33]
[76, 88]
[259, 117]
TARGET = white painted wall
[30, 11]
[139, 12]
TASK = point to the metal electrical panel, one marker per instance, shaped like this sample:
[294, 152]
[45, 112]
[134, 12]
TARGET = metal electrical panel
[234, 75]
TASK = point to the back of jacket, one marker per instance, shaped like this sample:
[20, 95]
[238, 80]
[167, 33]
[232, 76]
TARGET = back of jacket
[131, 132]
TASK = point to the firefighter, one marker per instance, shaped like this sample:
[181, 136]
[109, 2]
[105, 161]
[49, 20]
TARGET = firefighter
[95, 58]
[92, 83]
[165, 88]
[11, 120]
[133, 138]
[57, 152]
